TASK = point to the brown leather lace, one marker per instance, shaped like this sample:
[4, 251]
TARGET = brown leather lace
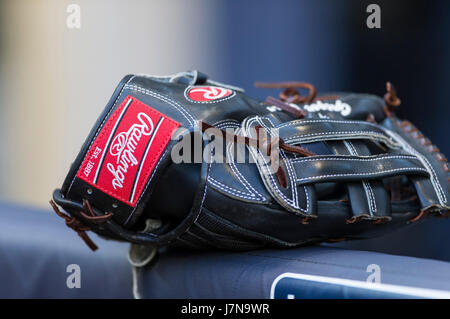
[286, 107]
[267, 145]
[291, 94]
[414, 132]
[391, 99]
[78, 226]
[392, 102]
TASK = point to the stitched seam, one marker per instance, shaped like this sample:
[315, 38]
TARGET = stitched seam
[292, 178]
[291, 172]
[231, 190]
[436, 183]
[100, 129]
[300, 160]
[366, 185]
[171, 102]
[204, 195]
[227, 123]
[155, 169]
[276, 189]
[340, 134]
[372, 197]
[358, 174]
[239, 175]
[379, 138]
[295, 122]
[290, 169]
[275, 186]
[162, 146]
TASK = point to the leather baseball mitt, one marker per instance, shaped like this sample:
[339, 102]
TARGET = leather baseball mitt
[187, 161]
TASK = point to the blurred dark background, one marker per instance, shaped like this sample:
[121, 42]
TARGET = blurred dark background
[54, 80]
[327, 43]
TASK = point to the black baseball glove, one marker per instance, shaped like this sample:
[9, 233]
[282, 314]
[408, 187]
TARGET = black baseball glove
[188, 161]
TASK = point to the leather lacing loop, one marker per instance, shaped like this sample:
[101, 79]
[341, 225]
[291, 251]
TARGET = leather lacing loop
[291, 94]
[414, 132]
[392, 101]
[377, 220]
[78, 226]
[268, 145]
[286, 107]
[419, 216]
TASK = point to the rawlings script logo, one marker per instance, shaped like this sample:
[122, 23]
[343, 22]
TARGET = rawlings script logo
[124, 145]
[341, 107]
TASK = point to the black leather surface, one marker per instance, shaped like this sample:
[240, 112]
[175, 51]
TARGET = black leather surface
[235, 205]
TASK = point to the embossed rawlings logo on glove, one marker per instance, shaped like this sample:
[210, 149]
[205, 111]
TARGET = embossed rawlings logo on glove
[339, 106]
[126, 150]
[205, 94]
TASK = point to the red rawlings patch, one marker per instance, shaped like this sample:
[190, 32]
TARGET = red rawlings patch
[208, 93]
[126, 150]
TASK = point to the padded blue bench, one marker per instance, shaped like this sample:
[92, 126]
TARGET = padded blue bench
[36, 250]
[309, 272]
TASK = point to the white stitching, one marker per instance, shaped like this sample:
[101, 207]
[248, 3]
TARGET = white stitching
[318, 158]
[220, 185]
[301, 137]
[204, 193]
[146, 186]
[268, 173]
[372, 137]
[171, 102]
[251, 191]
[101, 127]
[369, 194]
[230, 190]
[239, 174]
[436, 183]
[291, 170]
[295, 122]
[434, 180]
[293, 200]
[229, 123]
[359, 174]
[292, 203]
[366, 185]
